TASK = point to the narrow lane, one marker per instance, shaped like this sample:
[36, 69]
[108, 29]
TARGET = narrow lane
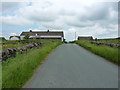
[71, 66]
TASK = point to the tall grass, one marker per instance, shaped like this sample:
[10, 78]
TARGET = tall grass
[107, 52]
[0, 70]
[16, 71]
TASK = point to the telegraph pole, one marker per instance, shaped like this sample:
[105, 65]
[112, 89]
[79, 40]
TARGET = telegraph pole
[75, 35]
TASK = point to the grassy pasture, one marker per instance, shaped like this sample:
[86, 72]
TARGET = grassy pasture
[107, 52]
[16, 71]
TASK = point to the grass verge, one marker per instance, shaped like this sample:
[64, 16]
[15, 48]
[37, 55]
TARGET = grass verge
[16, 71]
[0, 75]
[107, 52]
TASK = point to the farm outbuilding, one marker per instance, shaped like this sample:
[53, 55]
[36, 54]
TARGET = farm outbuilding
[85, 38]
[44, 35]
[14, 38]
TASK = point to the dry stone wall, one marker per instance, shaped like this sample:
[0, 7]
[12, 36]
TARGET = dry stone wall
[11, 52]
[106, 44]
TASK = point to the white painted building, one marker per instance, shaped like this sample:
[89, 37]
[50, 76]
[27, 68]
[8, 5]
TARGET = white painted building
[14, 38]
[44, 35]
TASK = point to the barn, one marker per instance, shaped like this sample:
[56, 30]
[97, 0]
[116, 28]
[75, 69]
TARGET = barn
[14, 38]
[85, 38]
[44, 35]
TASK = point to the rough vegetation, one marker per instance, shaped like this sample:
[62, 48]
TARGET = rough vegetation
[108, 52]
[16, 71]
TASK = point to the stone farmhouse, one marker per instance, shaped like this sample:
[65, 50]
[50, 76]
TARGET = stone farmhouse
[85, 38]
[44, 35]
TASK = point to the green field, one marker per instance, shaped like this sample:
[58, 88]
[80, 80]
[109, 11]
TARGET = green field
[10, 43]
[16, 71]
[107, 52]
[6, 46]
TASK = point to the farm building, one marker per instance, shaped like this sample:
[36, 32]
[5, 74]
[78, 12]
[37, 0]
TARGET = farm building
[44, 35]
[85, 38]
[14, 38]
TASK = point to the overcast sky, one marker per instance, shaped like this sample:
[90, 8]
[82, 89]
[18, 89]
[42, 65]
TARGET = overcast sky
[99, 19]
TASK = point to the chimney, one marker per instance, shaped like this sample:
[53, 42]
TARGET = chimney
[30, 30]
[48, 30]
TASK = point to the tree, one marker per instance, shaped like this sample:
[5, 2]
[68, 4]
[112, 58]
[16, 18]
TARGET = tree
[27, 36]
[2, 38]
[96, 39]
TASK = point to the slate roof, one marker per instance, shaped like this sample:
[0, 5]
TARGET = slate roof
[84, 36]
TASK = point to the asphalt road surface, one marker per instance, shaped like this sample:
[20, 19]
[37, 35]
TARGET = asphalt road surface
[71, 66]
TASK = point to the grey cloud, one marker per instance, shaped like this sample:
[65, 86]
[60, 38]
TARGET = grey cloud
[15, 21]
[99, 11]
[49, 16]
[10, 6]
[39, 15]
